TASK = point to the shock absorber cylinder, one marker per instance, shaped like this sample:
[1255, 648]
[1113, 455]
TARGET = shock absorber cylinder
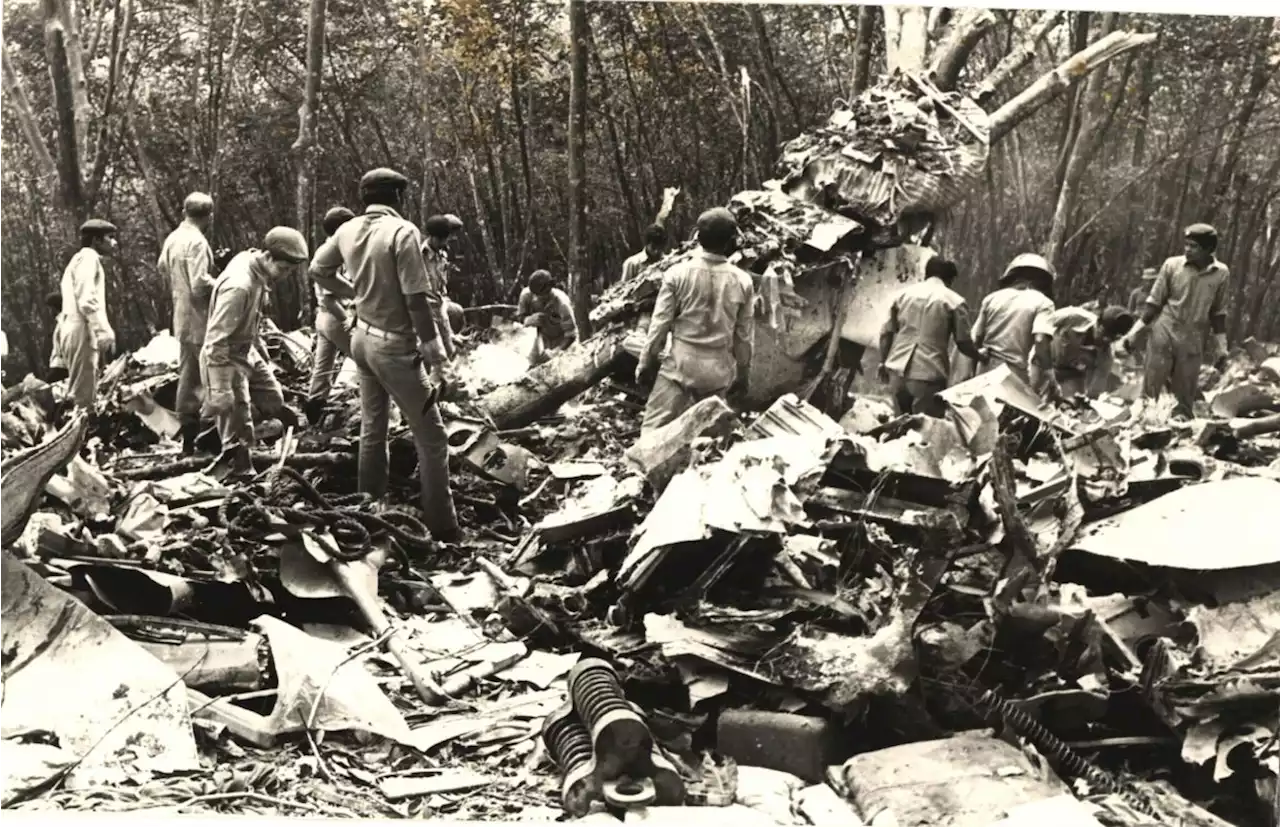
[569, 745]
[620, 738]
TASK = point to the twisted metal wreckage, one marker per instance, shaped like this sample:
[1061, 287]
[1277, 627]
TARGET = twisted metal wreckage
[858, 584]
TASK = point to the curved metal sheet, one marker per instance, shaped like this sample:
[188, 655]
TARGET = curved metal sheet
[1230, 524]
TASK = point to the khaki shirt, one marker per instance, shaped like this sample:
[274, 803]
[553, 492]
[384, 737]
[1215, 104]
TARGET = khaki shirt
[706, 305]
[235, 310]
[1188, 298]
[1073, 335]
[1137, 298]
[383, 257]
[555, 306]
[1005, 322]
[84, 292]
[923, 318]
[634, 264]
[186, 261]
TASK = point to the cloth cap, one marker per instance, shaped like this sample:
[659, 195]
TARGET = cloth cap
[286, 243]
[99, 226]
[1149, 274]
[438, 226]
[1115, 321]
[335, 218]
[1203, 234]
[382, 177]
[198, 204]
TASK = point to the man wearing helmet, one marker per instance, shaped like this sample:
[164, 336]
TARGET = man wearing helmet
[393, 338]
[1003, 330]
[332, 337]
[1187, 301]
[705, 304]
[83, 332]
[236, 377]
[186, 262]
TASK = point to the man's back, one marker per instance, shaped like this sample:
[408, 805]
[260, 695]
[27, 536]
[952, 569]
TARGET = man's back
[709, 293]
[1006, 320]
[925, 318]
[186, 261]
[383, 257]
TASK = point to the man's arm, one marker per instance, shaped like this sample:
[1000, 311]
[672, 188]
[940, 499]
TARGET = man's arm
[199, 261]
[664, 315]
[84, 285]
[1040, 367]
[568, 324]
[334, 307]
[412, 270]
[324, 270]
[1150, 310]
[225, 314]
[744, 332]
[960, 332]
[1218, 320]
[887, 332]
[524, 305]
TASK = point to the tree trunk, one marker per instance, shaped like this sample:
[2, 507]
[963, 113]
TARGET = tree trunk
[161, 221]
[75, 73]
[218, 150]
[1081, 152]
[20, 105]
[1064, 77]
[71, 186]
[906, 35]
[1019, 57]
[551, 384]
[579, 283]
[1259, 76]
[967, 30]
[304, 149]
[863, 40]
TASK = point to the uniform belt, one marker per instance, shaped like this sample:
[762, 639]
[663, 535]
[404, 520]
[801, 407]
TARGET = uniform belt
[383, 334]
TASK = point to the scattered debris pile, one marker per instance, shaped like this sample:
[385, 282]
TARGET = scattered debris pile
[1024, 606]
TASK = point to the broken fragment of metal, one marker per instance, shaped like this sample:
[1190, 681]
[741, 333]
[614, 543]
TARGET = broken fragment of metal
[113, 707]
[756, 487]
[1185, 529]
[23, 477]
[480, 449]
[949, 523]
[1243, 400]
[660, 453]
[319, 688]
[208, 656]
[998, 388]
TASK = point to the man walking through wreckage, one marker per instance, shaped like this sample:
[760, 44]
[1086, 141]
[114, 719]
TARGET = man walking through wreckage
[83, 333]
[333, 339]
[706, 305]
[237, 377]
[1188, 299]
[1003, 331]
[923, 320]
[393, 338]
[186, 263]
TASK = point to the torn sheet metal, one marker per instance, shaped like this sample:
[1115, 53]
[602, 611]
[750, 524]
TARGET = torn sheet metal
[160, 420]
[790, 416]
[114, 707]
[1239, 636]
[755, 487]
[881, 277]
[1219, 525]
[1000, 387]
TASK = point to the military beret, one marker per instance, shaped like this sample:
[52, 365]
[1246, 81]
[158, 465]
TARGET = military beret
[383, 177]
[97, 225]
[438, 226]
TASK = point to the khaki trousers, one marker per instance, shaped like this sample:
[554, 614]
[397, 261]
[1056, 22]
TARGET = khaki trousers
[233, 391]
[392, 369]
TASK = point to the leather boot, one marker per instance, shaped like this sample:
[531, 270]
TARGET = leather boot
[314, 410]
